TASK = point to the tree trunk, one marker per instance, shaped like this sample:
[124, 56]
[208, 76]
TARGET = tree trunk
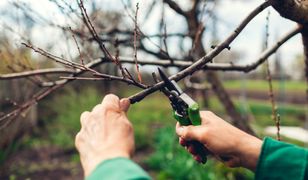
[236, 118]
[225, 99]
[305, 43]
[212, 78]
[15, 90]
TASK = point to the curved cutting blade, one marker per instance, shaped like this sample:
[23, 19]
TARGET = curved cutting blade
[170, 85]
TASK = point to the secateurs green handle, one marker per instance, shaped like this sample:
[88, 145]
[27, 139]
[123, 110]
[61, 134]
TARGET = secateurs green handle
[185, 110]
[193, 116]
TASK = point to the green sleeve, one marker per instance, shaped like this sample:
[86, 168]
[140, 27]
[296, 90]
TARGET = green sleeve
[118, 169]
[279, 160]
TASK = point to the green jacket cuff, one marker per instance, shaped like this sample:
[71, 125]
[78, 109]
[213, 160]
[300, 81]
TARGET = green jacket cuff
[118, 169]
[279, 160]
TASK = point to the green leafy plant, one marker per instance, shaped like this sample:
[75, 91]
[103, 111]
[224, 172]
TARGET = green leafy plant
[68, 108]
[171, 161]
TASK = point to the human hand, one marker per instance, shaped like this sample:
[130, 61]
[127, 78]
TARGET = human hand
[105, 133]
[226, 142]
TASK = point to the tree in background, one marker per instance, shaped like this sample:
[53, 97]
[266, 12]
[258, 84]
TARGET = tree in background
[99, 40]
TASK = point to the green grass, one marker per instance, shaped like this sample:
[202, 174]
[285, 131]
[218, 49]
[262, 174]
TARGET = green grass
[5, 152]
[154, 128]
[62, 120]
[68, 109]
[63, 114]
[262, 85]
[261, 112]
[148, 115]
[290, 115]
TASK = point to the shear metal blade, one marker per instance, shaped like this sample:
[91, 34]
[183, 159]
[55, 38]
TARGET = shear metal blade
[171, 86]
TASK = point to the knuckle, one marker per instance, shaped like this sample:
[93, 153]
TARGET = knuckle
[83, 117]
[77, 139]
[82, 121]
[185, 133]
[128, 126]
[111, 97]
[111, 101]
[98, 108]
[108, 107]
[84, 114]
[204, 133]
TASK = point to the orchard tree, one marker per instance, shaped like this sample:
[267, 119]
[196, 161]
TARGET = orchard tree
[97, 33]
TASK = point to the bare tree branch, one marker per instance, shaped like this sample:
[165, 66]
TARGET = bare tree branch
[53, 57]
[38, 96]
[165, 62]
[201, 62]
[136, 38]
[36, 72]
[173, 5]
[270, 83]
[271, 50]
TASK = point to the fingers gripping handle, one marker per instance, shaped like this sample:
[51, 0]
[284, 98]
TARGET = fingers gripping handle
[194, 119]
[200, 150]
[194, 116]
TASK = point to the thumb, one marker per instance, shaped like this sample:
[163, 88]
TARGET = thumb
[124, 104]
[189, 132]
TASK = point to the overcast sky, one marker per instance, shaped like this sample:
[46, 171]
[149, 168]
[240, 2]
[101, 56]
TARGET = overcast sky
[230, 12]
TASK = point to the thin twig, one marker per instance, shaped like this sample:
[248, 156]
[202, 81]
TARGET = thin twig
[270, 84]
[163, 28]
[155, 77]
[200, 29]
[84, 68]
[165, 62]
[81, 58]
[201, 62]
[36, 72]
[83, 78]
[38, 96]
[92, 30]
[144, 35]
[116, 45]
[136, 37]
[53, 57]
[130, 76]
[33, 79]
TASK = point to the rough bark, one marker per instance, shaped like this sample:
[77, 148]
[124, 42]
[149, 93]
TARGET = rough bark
[295, 10]
[305, 43]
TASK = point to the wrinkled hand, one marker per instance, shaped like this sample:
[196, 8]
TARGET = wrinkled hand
[226, 142]
[105, 133]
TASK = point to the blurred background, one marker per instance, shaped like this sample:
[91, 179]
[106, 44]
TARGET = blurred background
[38, 143]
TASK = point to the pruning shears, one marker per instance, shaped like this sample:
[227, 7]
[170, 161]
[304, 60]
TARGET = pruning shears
[185, 110]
